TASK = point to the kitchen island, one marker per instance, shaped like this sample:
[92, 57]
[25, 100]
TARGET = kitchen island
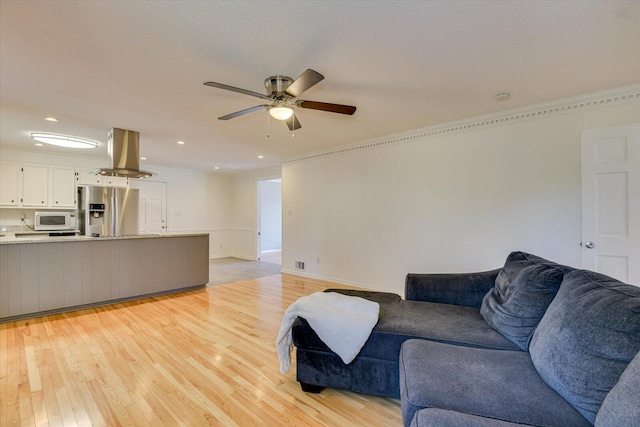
[43, 274]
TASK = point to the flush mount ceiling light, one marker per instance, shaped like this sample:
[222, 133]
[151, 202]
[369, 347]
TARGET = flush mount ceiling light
[280, 112]
[64, 140]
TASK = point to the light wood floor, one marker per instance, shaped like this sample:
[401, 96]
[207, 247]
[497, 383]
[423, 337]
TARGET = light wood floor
[205, 357]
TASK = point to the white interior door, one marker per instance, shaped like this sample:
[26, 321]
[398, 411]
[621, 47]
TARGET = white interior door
[611, 201]
[155, 209]
[152, 207]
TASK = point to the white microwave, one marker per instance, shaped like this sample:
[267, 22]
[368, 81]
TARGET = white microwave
[54, 221]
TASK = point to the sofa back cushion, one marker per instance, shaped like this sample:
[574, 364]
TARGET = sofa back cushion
[523, 290]
[587, 337]
[621, 407]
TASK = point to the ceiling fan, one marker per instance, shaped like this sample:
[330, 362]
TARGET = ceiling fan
[281, 94]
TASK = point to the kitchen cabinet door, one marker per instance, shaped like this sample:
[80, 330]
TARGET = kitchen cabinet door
[85, 177]
[35, 186]
[115, 181]
[63, 188]
[10, 184]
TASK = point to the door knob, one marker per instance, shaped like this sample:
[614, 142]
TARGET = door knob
[589, 244]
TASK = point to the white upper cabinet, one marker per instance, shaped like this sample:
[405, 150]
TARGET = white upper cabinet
[10, 184]
[115, 181]
[85, 177]
[35, 186]
[63, 187]
[50, 187]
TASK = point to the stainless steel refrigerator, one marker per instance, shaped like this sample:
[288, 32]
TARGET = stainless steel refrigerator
[108, 211]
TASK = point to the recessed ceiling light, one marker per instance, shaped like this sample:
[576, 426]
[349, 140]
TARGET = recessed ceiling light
[39, 144]
[216, 167]
[143, 158]
[503, 96]
[261, 157]
[64, 140]
[181, 142]
[51, 119]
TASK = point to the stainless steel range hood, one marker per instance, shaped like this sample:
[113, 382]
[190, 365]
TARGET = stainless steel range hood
[124, 151]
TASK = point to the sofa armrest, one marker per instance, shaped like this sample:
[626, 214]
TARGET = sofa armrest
[459, 288]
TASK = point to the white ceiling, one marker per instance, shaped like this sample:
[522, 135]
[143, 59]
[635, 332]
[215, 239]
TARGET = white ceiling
[141, 65]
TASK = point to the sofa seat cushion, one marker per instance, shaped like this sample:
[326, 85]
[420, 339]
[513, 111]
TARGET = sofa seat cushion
[523, 290]
[502, 385]
[586, 339]
[436, 417]
[415, 319]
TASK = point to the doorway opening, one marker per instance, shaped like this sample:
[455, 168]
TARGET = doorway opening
[270, 221]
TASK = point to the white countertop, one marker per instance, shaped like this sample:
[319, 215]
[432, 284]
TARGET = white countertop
[20, 237]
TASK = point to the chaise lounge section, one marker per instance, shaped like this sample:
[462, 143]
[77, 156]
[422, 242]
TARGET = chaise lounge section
[375, 370]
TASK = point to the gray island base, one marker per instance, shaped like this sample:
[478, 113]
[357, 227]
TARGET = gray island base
[48, 275]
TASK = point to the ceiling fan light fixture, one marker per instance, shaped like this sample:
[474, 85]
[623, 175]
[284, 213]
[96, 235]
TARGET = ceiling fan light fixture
[281, 113]
[64, 140]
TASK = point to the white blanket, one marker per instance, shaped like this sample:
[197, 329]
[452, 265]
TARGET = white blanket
[342, 322]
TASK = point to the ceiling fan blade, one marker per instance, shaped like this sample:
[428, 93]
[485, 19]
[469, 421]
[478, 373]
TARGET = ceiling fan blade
[293, 123]
[324, 106]
[306, 80]
[236, 89]
[243, 112]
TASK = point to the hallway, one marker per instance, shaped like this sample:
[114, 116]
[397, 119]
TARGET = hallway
[227, 270]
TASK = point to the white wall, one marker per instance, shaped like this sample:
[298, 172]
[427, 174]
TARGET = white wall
[244, 217]
[270, 209]
[457, 202]
[199, 202]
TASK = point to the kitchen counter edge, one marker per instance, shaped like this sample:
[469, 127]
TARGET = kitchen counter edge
[10, 240]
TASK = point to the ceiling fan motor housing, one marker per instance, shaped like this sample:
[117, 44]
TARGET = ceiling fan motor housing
[277, 84]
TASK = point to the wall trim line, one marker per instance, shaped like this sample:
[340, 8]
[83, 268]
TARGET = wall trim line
[624, 95]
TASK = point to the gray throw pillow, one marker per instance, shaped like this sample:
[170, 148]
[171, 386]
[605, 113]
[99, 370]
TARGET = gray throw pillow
[524, 288]
[588, 336]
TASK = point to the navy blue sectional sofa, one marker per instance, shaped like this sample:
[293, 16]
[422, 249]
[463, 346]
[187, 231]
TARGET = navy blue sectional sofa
[533, 343]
